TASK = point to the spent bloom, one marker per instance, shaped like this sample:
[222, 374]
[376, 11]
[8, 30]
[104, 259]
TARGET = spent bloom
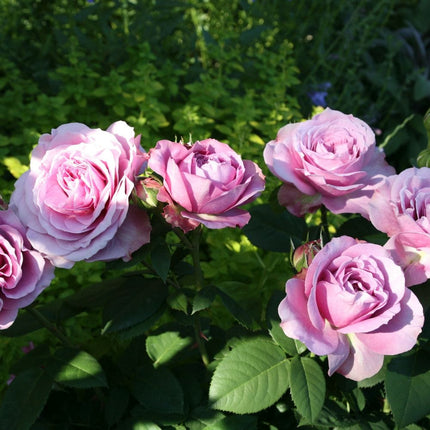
[74, 200]
[204, 183]
[352, 306]
[330, 160]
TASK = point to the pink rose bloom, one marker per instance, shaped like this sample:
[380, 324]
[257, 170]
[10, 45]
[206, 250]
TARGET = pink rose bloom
[24, 272]
[74, 200]
[352, 306]
[204, 183]
[331, 159]
[402, 203]
[411, 250]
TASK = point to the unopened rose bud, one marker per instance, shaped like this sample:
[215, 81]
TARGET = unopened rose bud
[305, 253]
[147, 190]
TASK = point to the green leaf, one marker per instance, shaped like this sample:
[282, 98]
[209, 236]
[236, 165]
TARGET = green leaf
[235, 422]
[136, 423]
[291, 346]
[361, 228]
[407, 384]
[134, 304]
[116, 404]
[178, 300]
[94, 296]
[274, 231]
[240, 314]
[164, 347]
[160, 258]
[158, 391]
[77, 369]
[250, 377]
[204, 299]
[25, 399]
[308, 387]
[202, 417]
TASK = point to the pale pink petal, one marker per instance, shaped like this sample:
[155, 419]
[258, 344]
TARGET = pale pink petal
[295, 321]
[232, 218]
[362, 362]
[400, 334]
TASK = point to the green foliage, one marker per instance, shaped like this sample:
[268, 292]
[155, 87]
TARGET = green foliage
[408, 387]
[307, 387]
[243, 386]
[28, 393]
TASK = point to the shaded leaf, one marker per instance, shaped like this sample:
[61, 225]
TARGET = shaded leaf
[133, 304]
[25, 399]
[160, 258]
[158, 391]
[274, 231]
[407, 384]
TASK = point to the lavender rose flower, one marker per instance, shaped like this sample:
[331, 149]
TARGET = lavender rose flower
[411, 251]
[331, 159]
[24, 272]
[74, 200]
[204, 183]
[400, 207]
[352, 306]
[402, 203]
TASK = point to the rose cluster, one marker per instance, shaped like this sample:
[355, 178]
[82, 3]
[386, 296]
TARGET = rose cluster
[350, 300]
[86, 195]
[75, 202]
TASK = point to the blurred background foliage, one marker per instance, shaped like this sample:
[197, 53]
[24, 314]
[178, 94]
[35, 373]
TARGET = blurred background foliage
[234, 70]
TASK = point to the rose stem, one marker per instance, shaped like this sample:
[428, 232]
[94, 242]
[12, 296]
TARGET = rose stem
[324, 225]
[193, 244]
[50, 326]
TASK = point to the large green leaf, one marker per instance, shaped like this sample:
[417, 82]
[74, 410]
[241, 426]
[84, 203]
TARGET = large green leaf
[407, 383]
[274, 231]
[133, 304]
[76, 368]
[307, 384]
[250, 377]
[25, 399]
[164, 347]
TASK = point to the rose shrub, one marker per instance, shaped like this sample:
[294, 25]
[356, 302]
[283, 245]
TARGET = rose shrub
[204, 183]
[352, 306]
[24, 272]
[330, 160]
[74, 200]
